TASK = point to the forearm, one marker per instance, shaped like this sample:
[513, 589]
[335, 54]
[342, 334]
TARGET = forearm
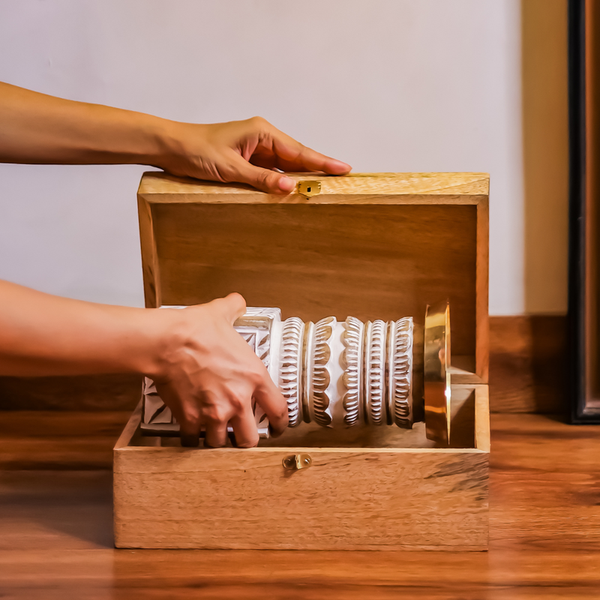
[36, 128]
[203, 369]
[42, 334]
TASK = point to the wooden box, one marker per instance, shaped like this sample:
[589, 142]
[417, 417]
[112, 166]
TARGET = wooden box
[378, 246]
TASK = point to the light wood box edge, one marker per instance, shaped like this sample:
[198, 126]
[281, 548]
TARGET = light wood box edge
[126, 457]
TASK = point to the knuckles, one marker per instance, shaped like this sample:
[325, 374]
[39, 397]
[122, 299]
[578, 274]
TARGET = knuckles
[216, 414]
[281, 419]
[192, 419]
[238, 403]
[266, 180]
[237, 301]
[259, 123]
[257, 375]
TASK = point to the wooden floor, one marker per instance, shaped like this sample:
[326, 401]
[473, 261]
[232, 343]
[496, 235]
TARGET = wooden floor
[56, 531]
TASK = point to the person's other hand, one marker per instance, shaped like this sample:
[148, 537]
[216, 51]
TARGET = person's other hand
[242, 151]
[208, 375]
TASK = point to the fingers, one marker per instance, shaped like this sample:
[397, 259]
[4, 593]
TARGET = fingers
[233, 306]
[291, 155]
[242, 421]
[187, 414]
[215, 416]
[273, 403]
[216, 434]
[296, 157]
[244, 427]
[189, 432]
[264, 180]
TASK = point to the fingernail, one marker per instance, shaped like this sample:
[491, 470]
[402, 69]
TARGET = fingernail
[286, 184]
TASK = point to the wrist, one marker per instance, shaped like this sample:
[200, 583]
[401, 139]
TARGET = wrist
[167, 144]
[158, 140]
[162, 339]
[177, 145]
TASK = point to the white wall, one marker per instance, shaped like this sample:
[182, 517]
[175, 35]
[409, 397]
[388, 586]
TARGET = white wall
[386, 85]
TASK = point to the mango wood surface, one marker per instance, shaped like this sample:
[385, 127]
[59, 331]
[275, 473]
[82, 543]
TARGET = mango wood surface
[313, 261]
[350, 189]
[360, 496]
[56, 529]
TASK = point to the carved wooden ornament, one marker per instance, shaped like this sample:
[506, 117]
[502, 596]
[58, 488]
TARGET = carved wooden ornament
[334, 373]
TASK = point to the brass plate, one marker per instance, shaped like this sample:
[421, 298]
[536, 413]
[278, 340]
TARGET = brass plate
[437, 373]
[309, 188]
[295, 462]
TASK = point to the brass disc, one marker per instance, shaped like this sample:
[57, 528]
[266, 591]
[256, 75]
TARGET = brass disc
[437, 372]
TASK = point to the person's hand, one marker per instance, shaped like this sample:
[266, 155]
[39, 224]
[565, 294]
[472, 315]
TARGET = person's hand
[244, 152]
[208, 375]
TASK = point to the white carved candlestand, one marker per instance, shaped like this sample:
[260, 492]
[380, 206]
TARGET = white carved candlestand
[335, 373]
[341, 374]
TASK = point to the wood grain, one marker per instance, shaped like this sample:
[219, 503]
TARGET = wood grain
[85, 392]
[150, 266]
[364, 497]
[544, 535]
[528, 364]
[482, 327]
[369, 245]
[344, 501]
[311, 261]
[372, 188]
[58, 439]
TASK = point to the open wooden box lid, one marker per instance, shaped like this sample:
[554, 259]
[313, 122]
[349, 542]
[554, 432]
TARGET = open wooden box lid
[374, 246]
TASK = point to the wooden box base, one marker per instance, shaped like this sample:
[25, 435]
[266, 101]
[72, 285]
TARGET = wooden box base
[366, 489]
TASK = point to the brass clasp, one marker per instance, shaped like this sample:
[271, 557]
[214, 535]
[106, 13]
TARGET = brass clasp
[309, 188]
[295, 462]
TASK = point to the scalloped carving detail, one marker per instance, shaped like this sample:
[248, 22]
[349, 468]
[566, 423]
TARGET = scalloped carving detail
[290, 370]
[321, 376]
[374, 362]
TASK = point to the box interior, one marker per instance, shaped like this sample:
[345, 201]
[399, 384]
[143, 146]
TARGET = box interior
[311, 435]
[314, 260]
[317, 260]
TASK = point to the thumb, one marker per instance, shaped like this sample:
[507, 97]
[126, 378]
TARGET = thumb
[233, 306]
[265, 180]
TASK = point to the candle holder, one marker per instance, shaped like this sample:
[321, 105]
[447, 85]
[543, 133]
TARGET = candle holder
[341, 374]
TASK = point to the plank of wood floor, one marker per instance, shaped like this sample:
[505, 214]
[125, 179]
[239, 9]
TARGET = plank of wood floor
[181, 574]
[56, 536]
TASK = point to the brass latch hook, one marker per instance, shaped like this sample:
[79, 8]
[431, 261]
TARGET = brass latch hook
[295, 462]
